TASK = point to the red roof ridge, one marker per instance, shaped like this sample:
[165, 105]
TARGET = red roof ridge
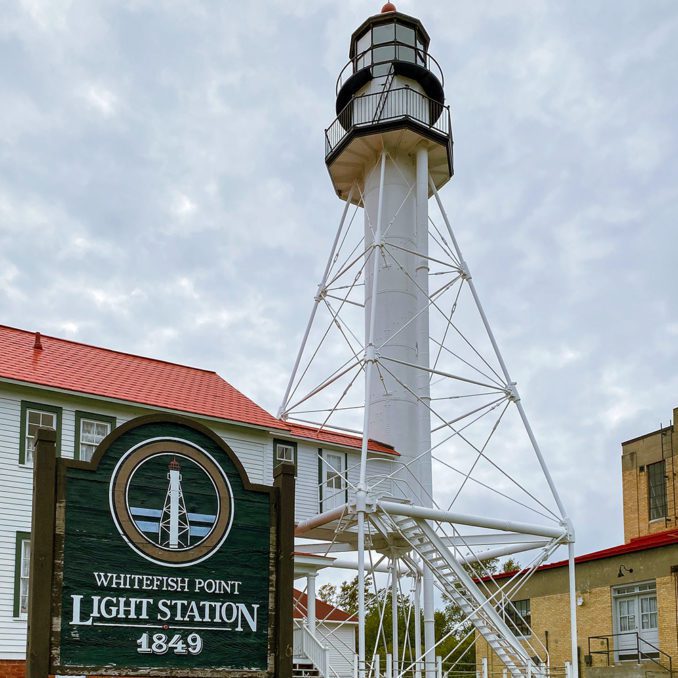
[646, 542]
[104, 348]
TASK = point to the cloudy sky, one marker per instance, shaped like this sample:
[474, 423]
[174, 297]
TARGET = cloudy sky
[163, 192]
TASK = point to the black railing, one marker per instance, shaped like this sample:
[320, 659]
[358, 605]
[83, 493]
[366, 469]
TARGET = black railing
[381, 56]
[643, 650]
[402, 103]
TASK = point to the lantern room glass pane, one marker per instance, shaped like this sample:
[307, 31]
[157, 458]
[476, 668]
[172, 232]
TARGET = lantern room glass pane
[405, 34]
[363, 61]
[363, 43]
[381, 69]
[381, 54]
[405, 53]
[383, 33]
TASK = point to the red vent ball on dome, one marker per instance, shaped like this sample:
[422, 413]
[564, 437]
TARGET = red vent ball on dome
[388, 7]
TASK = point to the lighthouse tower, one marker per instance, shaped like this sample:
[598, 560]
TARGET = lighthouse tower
[174, 526]
[391, 133]
[421, 374]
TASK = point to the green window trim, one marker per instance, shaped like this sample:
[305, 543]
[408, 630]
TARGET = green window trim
[290, 443]
[40, 407]
[20, 538]
[89, 416]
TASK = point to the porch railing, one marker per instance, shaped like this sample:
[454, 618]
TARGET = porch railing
[306, 644]
[644, 650]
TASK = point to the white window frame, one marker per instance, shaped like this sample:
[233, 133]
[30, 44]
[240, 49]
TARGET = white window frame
[22, 565]
[287, 448]
[96, 422]
[29, 441]
[330, 497]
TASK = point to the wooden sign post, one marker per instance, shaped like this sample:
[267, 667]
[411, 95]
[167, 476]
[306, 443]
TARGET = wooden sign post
[159, 558]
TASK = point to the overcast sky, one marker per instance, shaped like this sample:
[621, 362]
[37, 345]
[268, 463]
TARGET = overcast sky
[163, 192]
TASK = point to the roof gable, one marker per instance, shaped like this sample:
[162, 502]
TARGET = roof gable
[92, 370]
[50, 362]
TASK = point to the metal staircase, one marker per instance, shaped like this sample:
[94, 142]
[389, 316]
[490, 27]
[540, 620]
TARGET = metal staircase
[456, 583]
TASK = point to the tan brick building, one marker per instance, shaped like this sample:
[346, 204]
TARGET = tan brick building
[627, 611]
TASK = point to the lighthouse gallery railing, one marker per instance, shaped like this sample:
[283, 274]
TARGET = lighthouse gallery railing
[402, 103]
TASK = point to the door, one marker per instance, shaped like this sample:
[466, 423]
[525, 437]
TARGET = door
[636, 625]
[649, 631]
[332, 479]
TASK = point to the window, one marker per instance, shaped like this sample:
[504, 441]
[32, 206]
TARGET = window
[656, 490]
[90, 430]
[332, 479]
[284, 450]
[22, 562]
[518, 618]
[648, 612]
[627, 615]
[33, 417]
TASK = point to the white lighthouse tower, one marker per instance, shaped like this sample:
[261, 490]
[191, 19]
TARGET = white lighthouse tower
[420, 372]
[174, 530]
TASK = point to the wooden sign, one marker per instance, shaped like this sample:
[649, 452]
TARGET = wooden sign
[159, 558]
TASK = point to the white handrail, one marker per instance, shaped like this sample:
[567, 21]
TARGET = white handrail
[312, 648]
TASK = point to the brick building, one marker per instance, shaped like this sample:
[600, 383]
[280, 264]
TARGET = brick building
[627, 611]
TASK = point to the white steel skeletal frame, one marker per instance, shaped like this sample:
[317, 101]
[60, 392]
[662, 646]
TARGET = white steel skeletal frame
[364, 512]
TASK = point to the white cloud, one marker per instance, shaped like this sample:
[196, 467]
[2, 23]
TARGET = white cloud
[101, 99]
[163, 191]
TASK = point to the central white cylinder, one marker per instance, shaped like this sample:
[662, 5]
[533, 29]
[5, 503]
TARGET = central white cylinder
[393, 407]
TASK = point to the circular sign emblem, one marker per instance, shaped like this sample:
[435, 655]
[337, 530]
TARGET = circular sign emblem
[171, 502]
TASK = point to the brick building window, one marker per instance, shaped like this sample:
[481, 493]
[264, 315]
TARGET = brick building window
[656, 490]
[518, 617]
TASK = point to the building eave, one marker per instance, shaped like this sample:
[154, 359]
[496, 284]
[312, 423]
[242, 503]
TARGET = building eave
[138, 404]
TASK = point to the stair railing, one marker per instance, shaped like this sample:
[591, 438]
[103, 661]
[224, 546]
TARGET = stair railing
[315, 651]
[662, 659]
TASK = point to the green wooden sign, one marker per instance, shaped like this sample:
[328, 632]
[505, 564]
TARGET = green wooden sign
[166, 558]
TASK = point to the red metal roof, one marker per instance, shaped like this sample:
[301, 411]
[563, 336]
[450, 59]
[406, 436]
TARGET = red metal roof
[323, 611]
[92, 370]
[651, 541]
[82, 368]
[337, 438]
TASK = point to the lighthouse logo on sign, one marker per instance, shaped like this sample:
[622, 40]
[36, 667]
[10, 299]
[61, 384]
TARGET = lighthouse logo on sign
[171, 502]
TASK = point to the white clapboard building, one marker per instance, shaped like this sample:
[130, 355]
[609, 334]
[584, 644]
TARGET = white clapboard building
[84, 391]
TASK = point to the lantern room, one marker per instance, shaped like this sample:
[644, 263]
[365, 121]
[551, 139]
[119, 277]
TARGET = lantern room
[390, 93]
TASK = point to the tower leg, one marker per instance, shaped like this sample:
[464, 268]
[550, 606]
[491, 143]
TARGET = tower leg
[361, 583]
[394, 617]
[417, 626]
[424, 472]
[573, 611]
[429, 625]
